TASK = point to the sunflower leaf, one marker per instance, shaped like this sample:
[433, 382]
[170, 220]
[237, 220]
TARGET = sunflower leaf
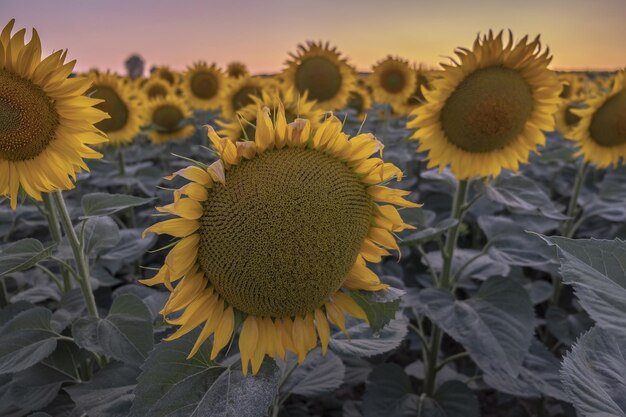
[363, 342]
[22, 255]
[103, 204]
[452, 399]
[125, 334]
[317, 375]
[379, 308]
[389, 392]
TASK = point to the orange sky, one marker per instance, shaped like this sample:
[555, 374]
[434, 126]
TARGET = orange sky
[581, 34]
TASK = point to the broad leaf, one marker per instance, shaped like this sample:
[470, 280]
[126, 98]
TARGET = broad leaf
[380, 307]
[125, 334]
[317, 375]
[22, 255]
[452, 399]
[495, 326]
[99, 233]
[365, 343]
[103, 204]
[389, 393]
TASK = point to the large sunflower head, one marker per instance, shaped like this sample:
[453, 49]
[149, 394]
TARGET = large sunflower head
[154, 88]
[392, 80]
[167, 74]
[169, 118]
[203, 86]
[601, 132]
[320, 70]
[237, 69]
[46, 122]
[488, 110]
[360, 101]
[239, 93]
[121, 103]
[278, 229]
[293, 104]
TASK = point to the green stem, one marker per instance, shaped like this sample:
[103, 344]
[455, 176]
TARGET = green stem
[121, 160]
[446, 282]
[82, 264]
[55, 232]
[4, 296]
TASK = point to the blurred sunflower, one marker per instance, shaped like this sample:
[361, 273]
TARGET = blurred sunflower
[280, 230]
[169, 119]
[46, 122]
[392, 80]
[320, 70]
[416, 98]
[167, 74]
[239, 92]
[237, 69]
[121, 104]
[203, 86]
[572, 86]
[564, 117]
[488, 110]
[601, 132]
[360, 100]
[156, 88]
[294, 105]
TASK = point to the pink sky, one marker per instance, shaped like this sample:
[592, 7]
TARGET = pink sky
[581, 34]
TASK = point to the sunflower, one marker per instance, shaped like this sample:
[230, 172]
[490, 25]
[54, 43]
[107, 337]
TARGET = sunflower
[487, 111]
[239, 93]
[416, 98]
[156, 88]
[360, 101]
[46, 122]
[294, 105]
[322, 72]
[237, 69]
[392, 80]
[278, 231]
[167, 74]
[203, 86]
[564, 117]
[601, 132]
[169, 117]
[122, 106]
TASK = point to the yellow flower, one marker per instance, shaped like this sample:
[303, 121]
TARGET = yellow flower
[487, 111]
[360, 100]
[392, 80]
[167, 74]
[169, 117]
[416, 98]
[155, 88]
[237, 69]
[46, 123]
[239, 93]
[279, 229]
[322, 72]
[203, 86]
[601, 132]
[122, 105]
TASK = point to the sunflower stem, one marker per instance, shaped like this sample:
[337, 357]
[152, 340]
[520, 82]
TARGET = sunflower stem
[82, 264]
[55, 233]
[4, 297]
[121, 162]
[446, 281]
[570, 225]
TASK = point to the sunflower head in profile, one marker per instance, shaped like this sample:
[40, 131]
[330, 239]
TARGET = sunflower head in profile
[167, 74]
[237, 69]
[169, 118]
[416, 99]
[239, 93]
[278, 231]
[154, 88]
[293, 104]
[46, 121]
[121, 103]
[601, 131]
[203, 86]
[360, 100]
[487, 111]
[565, 118]
[321, 71]
[392, 80]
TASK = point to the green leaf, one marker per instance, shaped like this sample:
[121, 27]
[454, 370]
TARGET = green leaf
[566, 327]
[22, 255]
[363, 342]
[173, 386]
[317, 375]
[99, 233]
[425, 233]
[130, 247]
[109, 393]
[389, 393]
[103, 204]
[26, 340]
[594, 375]
[495, 326]
[380, 307]
[597, 270]
[452, 399]
[125, 334]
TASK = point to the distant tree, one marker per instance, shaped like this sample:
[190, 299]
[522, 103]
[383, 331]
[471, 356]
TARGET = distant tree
[135, 66]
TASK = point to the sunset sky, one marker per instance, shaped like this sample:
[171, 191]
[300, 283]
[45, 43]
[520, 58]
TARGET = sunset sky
[581, 34]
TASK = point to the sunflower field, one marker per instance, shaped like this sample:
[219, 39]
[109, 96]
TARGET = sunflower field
[409, 241]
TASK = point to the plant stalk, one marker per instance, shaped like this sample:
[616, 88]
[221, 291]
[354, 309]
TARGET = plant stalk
[55, 233]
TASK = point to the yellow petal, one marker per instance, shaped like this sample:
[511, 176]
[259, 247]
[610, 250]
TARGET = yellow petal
[323, 329]
[224, 331]
[248, 340]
